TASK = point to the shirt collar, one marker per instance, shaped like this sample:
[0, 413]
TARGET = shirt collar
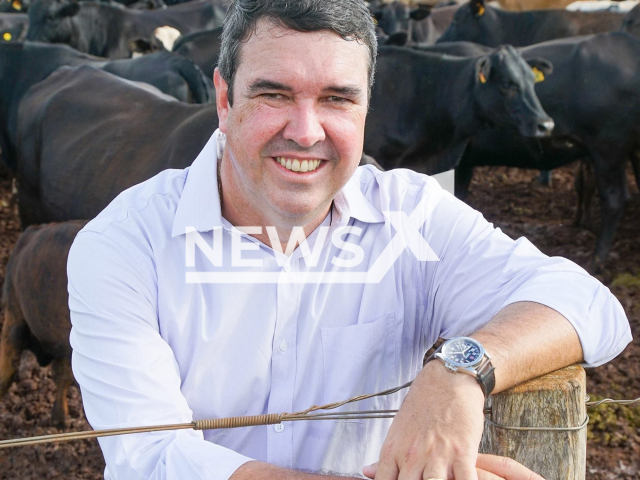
[199, 204]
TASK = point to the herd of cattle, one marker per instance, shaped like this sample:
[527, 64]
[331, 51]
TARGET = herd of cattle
[97, 96]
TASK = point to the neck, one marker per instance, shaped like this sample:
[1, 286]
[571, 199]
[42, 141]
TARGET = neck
[241, 210]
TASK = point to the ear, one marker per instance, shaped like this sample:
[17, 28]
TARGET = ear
[477, 7]
[139, 45]
[541, 68]
[420, 13]
[222, 100]
[377, 15]
[68, 10]
[483, 69]
[398, 39]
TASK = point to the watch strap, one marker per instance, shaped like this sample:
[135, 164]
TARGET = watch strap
[486, 376]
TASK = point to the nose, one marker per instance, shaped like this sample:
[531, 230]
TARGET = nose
[544, 129]
[304, 126]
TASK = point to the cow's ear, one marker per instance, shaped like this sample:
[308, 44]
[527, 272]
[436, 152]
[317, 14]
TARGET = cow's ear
[377, 15]
[139, 45]
[68, 9]
[541, 67]
[477, 7]
[420, 13]
[398, 39]
[483, 69]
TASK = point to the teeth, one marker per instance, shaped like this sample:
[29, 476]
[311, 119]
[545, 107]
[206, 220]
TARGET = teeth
[296, 165]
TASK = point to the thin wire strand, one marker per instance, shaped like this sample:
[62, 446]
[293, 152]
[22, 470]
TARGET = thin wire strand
[275, 418]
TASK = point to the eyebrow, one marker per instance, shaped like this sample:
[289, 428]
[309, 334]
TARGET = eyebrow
[346, 91]
[261, 85]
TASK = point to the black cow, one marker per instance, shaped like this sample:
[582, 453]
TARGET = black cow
[25, 64]
[202, 48]
[13, 26]
[425, 122]
[421, 24]
[593, 96]
[397, 16]
[36, 312]
[171, 74]
[104, 29]
[631, 22]
[475, 22]
[78, 150]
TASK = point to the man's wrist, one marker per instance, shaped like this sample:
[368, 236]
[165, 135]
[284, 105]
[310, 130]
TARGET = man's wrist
[435, 376]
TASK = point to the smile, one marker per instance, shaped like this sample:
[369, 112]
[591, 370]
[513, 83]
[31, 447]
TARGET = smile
[295, 165]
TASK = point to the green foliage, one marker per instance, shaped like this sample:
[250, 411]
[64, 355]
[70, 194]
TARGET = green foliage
[613, 425]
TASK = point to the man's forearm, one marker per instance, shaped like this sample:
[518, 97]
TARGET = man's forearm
[265, 471]
[526, 340]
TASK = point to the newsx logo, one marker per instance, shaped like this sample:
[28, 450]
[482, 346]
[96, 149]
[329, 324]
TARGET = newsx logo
[239, 269]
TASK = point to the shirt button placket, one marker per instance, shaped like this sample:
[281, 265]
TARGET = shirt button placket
[283, 368]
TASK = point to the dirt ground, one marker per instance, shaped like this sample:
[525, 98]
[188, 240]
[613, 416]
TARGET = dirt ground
[508, 197]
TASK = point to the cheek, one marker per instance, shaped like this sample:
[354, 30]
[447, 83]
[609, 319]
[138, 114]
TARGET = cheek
[347, 131]
[255, 124]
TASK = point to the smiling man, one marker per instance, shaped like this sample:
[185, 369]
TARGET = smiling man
[298, 279]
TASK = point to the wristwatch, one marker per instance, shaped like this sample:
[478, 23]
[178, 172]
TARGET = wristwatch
[465, 354]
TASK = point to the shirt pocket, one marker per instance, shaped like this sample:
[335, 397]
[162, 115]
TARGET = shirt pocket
[359, 359]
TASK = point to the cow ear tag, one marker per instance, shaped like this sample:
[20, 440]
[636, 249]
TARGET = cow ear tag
[480, 10]
[538, 75]
[6, 37]
[481, 77]
[17, 5]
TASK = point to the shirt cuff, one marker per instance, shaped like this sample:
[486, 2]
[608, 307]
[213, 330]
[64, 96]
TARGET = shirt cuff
[601, 325]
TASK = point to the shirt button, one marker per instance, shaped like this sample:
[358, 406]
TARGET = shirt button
[283, 346]
[279, 428]
[287, 268]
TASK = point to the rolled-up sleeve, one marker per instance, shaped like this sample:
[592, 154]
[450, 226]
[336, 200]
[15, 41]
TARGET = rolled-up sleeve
[127, 373]
[481, 270]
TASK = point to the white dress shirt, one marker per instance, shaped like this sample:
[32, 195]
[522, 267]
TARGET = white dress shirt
[160, 337]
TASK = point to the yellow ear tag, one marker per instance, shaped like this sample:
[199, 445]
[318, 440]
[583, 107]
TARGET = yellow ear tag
[480, 11]
[375, 20]
[17, 5]
[482, 78]
[7, 37]
[538, 74]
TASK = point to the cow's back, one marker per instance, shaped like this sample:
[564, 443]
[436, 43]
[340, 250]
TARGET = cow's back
[79, 150]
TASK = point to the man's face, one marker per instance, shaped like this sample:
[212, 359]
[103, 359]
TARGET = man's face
[301, 97]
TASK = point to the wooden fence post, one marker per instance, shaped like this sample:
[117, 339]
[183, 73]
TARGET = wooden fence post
[554, 400]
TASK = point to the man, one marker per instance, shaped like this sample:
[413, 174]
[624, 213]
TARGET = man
[246, 323]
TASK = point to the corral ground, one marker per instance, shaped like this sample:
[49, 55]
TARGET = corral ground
[509, 198]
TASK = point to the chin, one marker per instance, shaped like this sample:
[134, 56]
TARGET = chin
[294, 209]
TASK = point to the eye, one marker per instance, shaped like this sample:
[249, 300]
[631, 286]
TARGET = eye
[510, 86]
[338, 101]
[273, 96]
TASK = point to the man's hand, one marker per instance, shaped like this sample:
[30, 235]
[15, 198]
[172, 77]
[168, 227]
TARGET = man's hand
[488, 467]
[437, 432]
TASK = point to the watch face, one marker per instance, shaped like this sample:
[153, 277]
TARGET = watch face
[463, 351]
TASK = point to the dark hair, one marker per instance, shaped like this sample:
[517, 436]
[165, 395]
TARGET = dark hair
[350, 19]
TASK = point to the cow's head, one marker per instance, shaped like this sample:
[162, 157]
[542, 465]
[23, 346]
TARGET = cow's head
[50, 21]
[397, 16]
[161, 40]
[504, 91]
[474, 22]
[631, 21]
